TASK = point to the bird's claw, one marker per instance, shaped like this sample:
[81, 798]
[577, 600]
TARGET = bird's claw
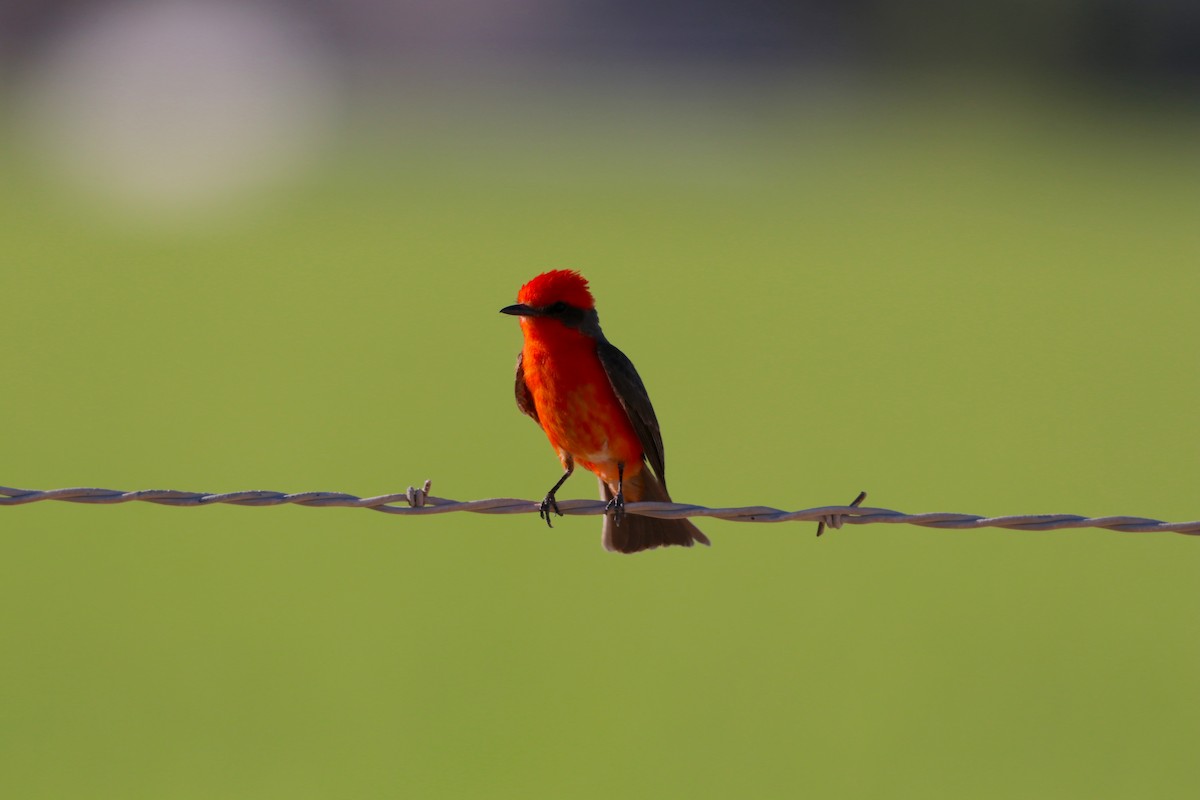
[617, 506]
[548, 505]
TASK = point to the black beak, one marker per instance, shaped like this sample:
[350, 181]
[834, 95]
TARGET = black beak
[521, 310]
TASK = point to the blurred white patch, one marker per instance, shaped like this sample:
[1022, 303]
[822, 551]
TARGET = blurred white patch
[174, 109]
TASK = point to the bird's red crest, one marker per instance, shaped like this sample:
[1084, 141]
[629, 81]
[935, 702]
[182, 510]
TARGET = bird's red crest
[565, 285]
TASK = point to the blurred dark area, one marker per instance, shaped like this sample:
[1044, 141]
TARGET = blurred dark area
[1114, 44]
[183, 104]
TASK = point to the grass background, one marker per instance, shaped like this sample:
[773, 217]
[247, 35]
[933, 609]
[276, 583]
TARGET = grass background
[986, 307]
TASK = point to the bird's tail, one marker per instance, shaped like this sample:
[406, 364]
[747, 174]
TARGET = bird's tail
[637, 533]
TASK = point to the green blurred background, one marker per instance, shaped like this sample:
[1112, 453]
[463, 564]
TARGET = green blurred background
[958, 293]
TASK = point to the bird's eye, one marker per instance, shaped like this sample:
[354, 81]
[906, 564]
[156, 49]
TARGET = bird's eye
[558, 308]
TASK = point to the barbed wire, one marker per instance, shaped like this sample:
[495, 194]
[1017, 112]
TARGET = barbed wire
[418, 502]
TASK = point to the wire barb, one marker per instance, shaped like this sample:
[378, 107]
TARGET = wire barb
[417, 497]
[835, 520]
[418, 502]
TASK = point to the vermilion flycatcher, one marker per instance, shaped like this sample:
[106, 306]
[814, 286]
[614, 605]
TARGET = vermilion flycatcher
[592, 405]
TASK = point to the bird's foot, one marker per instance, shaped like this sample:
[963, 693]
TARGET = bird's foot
[548, 505]
[617, 506]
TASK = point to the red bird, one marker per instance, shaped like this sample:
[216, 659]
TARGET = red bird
[592, 405]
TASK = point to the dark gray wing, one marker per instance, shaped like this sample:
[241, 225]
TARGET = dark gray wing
[636, 401]
[524, 396]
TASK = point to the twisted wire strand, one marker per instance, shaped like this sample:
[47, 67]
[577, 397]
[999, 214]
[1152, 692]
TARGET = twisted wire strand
[418, 502]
